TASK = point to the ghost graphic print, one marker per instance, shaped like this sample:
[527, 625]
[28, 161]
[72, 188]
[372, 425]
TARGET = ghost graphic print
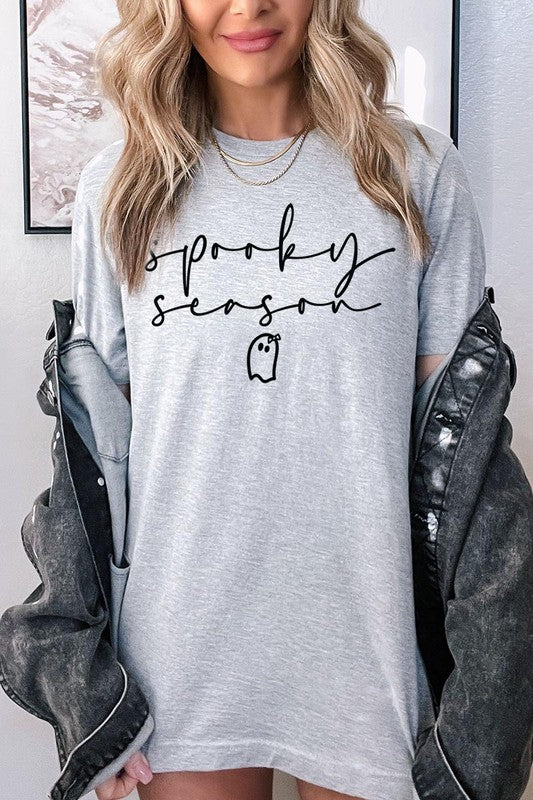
[262, 357]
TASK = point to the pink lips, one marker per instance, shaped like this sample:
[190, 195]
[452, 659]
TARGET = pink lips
[253, 41]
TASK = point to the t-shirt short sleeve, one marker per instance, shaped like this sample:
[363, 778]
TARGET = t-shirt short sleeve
[453, 278]
[96, 294]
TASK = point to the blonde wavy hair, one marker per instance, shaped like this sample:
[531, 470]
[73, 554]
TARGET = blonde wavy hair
[149, 70]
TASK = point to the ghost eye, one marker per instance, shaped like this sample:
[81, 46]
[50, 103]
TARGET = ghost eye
[260, 346]
[267, 348]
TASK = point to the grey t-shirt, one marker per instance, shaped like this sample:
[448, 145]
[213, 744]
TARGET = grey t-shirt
[268, 614]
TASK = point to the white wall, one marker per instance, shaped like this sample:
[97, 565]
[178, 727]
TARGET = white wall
[495, 137]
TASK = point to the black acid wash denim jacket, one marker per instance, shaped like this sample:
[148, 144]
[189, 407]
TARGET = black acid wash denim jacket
[472, 543]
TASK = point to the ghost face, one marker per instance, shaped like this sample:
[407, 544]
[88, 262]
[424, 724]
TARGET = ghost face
[262, 357]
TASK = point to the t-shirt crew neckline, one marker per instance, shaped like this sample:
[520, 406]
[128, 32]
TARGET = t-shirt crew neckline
[241, 147]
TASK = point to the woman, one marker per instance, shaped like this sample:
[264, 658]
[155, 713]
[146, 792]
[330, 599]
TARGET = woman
[284, 258]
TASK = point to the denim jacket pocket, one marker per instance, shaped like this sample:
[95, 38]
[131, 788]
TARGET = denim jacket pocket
[112, 426]
[94, 402]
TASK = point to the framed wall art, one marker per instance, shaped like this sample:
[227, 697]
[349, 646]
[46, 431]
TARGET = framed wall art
[66, 121]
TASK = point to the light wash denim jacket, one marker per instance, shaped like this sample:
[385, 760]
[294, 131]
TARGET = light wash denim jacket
[472, 543]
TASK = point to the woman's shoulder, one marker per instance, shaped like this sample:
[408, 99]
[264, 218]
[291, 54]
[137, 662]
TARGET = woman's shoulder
[424, 167]
[97, 169]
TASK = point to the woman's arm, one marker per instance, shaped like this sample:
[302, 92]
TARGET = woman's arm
[96, 294]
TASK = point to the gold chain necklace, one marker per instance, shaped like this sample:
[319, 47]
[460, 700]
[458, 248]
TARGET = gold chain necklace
[226, 157]
[264, 160]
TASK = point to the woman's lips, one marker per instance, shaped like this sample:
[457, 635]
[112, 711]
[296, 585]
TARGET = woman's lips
[252, 45]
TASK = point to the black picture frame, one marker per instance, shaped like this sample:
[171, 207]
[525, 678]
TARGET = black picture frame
[28, 227]
[31, 229]
[455, 56]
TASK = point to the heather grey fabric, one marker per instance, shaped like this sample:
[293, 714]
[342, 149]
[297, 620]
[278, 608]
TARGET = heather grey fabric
[268, 614]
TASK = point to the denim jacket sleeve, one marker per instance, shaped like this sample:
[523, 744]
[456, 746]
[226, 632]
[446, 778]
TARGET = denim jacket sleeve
[480, 747]
[56, 657]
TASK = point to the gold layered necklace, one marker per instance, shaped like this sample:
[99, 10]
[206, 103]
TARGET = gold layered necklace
[297, 140]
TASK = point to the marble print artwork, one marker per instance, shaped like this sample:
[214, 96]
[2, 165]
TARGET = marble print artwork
[68, 121]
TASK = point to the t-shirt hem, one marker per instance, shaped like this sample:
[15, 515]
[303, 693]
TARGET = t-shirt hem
[355, 780]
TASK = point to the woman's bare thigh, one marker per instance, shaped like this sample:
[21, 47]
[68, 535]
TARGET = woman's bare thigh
[244, 783]
[308, 791]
